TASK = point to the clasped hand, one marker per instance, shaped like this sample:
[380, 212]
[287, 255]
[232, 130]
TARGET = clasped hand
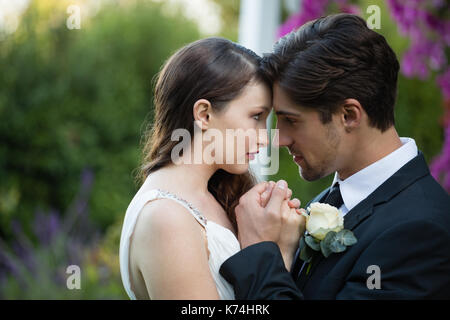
[266, 213]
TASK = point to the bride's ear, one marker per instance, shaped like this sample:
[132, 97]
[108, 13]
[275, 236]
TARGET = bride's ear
[202, 113]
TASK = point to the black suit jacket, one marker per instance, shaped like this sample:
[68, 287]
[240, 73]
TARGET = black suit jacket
[403, 227]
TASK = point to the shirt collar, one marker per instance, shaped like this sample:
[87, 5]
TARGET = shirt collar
[360, 185]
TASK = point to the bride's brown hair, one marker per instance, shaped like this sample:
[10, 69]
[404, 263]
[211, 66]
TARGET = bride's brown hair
[214, 69]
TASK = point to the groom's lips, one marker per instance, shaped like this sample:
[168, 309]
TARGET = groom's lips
[297, 159]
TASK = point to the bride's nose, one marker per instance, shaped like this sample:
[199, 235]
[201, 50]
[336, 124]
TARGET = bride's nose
[263, 138]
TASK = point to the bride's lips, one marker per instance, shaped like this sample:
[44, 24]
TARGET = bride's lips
[251, 155]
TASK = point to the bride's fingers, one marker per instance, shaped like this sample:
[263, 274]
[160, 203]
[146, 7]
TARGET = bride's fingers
[264, 199]
[265, 196]
[260, 187]
[254, 194]
[294, 203]
[288, 194]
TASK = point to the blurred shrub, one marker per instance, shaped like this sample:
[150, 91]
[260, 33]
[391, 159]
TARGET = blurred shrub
[71, 99]
[39, 270]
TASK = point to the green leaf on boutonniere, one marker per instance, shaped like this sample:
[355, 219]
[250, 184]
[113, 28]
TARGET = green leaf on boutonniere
[337, 242]
[301, 243]
[346, 237]
[336, 246]
[325, 244]
[312, 243]
[306, 252]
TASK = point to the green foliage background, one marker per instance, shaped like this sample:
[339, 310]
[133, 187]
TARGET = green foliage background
[72, 99]
[76, 99]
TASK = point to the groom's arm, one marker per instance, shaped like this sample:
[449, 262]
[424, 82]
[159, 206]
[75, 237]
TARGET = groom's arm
[258, 273]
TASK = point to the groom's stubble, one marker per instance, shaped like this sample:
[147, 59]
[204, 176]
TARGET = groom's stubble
[325, 163]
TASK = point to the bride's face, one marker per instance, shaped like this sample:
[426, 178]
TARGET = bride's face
[242, 124]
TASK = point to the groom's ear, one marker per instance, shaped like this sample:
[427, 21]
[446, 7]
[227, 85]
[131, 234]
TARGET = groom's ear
[351, 114]
[202, 110]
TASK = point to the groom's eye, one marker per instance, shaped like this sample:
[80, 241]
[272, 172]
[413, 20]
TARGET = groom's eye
[289, 120]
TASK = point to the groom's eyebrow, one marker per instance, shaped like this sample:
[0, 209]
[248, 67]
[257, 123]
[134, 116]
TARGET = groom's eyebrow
[286, 113]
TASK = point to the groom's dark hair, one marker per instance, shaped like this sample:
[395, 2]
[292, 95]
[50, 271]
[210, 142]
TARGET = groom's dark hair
[334, 58]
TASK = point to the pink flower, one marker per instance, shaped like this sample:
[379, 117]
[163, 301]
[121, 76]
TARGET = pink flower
[440, 166]
[310, 10]
[350, 9]
[444, 83]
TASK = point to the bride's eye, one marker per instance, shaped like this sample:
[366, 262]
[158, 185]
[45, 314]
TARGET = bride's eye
[257, 116]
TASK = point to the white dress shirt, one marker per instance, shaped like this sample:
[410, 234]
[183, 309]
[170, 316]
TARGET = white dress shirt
[360, 185]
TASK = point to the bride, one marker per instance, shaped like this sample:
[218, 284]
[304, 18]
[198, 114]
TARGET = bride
[180, 226]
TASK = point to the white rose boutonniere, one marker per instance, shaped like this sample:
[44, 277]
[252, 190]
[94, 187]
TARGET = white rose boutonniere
[322, 219]
[325, 232]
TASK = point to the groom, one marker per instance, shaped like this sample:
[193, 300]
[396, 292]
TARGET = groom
[334, 84]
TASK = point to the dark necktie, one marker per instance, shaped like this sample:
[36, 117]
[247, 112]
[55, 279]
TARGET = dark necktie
[334, 198]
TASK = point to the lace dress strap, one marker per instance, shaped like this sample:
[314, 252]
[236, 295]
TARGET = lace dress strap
[194, 211]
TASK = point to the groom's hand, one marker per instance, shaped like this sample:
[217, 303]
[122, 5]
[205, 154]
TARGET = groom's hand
[257, 223]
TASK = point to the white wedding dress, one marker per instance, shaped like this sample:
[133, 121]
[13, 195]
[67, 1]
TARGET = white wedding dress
[222, 243]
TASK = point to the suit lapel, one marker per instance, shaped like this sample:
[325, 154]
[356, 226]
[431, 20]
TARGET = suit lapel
[412, 171]
[403, 178]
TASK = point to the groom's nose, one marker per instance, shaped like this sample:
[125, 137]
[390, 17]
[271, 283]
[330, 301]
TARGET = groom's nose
[280, 139]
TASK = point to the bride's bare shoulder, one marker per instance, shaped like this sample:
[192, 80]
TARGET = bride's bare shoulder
[167, 236]
[164, 220]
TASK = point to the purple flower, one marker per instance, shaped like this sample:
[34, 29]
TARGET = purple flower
[7, 264]
[21, 260]
[447, 33]
[310, 10]
[444, 83]
[46, 226]
[428, 34]
[414, 61]
[440, 166]
[434, 23]
[437, 58]
[87, 178]
[430, 37]
[352, 9]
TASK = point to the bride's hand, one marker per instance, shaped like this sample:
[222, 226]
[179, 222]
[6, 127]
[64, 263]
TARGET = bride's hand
[293, 224]
[265, 196]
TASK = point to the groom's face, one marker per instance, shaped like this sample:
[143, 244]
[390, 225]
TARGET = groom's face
[315, 146]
